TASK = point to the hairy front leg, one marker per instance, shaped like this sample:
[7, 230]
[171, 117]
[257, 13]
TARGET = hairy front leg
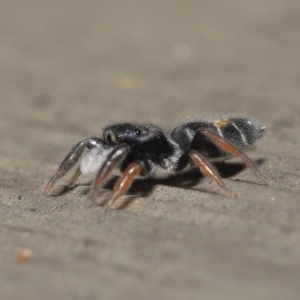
[113, 159]
[71, 159]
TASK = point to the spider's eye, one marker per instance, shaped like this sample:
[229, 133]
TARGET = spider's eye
[137, 132]
[110, 137]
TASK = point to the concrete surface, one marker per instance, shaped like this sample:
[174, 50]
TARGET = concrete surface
[68, 68]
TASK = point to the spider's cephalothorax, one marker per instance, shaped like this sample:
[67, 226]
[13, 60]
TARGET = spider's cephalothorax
[147, 142]
[138, 149]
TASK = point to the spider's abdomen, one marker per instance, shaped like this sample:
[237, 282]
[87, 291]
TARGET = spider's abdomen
[239, 131]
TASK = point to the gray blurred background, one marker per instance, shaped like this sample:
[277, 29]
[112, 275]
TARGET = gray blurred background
[68, 68]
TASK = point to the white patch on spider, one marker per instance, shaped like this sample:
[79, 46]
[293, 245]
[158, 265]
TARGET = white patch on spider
[93, 160]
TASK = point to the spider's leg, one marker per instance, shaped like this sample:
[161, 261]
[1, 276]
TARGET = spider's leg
[124, 182]
[70, 160]
[208, 170]
[235, 151]
[75, 177]
[117, 154]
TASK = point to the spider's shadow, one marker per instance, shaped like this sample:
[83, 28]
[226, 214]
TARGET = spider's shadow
[143, 187]
[186, 180]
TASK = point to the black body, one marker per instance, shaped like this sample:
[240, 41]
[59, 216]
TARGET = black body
[150, 145]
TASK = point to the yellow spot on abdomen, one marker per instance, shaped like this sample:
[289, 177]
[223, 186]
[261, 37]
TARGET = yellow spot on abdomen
[222, 123]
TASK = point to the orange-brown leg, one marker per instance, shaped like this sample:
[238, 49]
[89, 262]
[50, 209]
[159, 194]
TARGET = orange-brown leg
[232, 149]
[208, 170]
[124, 182]
[75, 177]
[52, 181]
[101, 178]
[58, 175]
[113, 159]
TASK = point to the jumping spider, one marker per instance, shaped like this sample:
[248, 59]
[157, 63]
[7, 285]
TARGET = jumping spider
[138, 149]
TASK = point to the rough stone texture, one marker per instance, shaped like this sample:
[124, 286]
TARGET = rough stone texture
[68, 68]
